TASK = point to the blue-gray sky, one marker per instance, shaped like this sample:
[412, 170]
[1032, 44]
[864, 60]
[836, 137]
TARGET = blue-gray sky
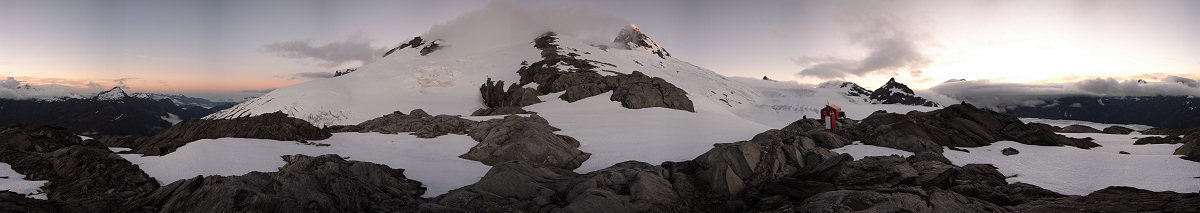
[231, 46]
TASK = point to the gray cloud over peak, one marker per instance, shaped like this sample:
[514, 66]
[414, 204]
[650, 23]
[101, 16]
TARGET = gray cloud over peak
[1000, 95]
[893, 45]
[355, 48]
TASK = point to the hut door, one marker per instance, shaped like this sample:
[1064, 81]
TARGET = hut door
[828, 122]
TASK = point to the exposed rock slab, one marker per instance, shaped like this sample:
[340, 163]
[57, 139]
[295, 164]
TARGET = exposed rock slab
[418, 123]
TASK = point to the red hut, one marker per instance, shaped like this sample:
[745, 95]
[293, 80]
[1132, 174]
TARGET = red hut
[829, 116]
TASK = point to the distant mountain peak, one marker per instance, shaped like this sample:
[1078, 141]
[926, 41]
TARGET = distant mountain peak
[632, 38]
[852, 89]
[897, 93]
[116, 93]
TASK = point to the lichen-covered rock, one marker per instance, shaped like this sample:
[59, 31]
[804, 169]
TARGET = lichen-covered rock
[1118, 199]
[324, 183]
[900, 199]
[875, 172]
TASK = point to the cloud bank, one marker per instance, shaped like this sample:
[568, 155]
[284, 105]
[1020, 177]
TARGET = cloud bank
[893, 45]
[505, 22]
[999, 95]
[356, 48]
[11, 88]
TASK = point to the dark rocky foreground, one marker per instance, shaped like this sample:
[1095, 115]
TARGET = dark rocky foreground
[784, 170]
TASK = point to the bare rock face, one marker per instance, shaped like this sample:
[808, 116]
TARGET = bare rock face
[1079, 129]
[274, 126]
[325, 183]
[636, 91]
[530, 139]
[960, 125]
[417, 122]
[1119, 130]
[82, 175]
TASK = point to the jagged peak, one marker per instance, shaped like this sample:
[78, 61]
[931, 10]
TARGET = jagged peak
[116, 93]
[631, 37]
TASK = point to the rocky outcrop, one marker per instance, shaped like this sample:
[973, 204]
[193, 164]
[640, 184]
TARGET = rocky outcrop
[1079, 129]
[1119, 130]
[510, 110]
[635, 90]
[495, 96]
[274, 126]
[1191, 147]
[956, 125]
[325, 183]
[1157, 140]
[1118, 199]
[530, 139]
[82, 174]
[417, 123]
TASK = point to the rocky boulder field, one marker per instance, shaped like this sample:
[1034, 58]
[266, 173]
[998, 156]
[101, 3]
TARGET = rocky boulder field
[783, 170]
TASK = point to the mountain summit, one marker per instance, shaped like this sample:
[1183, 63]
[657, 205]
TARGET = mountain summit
[116, 93]
[632, 38]
[896, 93]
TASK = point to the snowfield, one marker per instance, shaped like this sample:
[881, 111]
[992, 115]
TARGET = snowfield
[1075, 171]
[433, 161]
[12, 181]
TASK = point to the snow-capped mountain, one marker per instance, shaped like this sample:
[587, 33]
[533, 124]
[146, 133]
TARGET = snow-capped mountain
[442, 77]
[896, 93]
[116, 93]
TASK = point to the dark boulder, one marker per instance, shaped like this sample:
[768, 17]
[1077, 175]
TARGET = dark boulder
[1045, 127]
[1118, 199]
[1079, 129]
[1157, 140]
[1120, 130]
[325, 183]
[730, 167]
[417, 122]
[960, 125]
[529, 139]
[274, 126]
[1009, 151]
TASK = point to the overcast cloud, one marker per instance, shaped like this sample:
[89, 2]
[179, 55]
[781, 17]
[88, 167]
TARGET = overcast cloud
[356, 48]
[998, 95]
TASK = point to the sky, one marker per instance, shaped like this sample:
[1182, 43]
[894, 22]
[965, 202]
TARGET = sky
[252, 46]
